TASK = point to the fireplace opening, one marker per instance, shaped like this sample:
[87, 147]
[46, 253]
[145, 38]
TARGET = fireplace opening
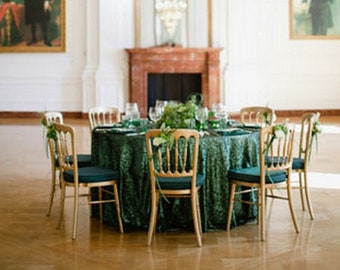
[172, 86]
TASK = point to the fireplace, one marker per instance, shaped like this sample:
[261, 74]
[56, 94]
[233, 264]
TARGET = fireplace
[172, 86]
[145, 63]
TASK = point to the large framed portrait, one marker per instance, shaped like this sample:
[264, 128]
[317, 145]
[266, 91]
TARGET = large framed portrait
[314, 19]
[32, 26]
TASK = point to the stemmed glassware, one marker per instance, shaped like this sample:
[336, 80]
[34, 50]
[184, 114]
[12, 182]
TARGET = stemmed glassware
[161, 104]
[131, 113]
[220, 112]
[201, 116]
[155, 113]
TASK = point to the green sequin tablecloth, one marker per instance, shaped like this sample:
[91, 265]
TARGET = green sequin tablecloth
[217, 155]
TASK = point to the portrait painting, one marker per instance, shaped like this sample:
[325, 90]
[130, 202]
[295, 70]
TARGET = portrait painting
[314, 19]
[32, 26]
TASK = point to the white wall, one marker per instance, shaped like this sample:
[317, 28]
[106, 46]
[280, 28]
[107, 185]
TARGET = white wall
[47, 81]
[259, 63]
[268, 68]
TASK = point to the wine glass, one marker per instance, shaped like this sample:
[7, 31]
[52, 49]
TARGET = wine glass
[201, 115]
[220, 112]
[131, 111]
[155, 113]
[161, 104]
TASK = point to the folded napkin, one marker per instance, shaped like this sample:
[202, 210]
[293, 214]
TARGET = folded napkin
[231, 131]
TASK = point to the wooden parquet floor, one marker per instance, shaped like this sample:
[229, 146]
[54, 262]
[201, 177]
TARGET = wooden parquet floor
[29, 239]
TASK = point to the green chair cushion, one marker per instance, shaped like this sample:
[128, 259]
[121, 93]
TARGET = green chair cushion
[252, 175]
[298, 164]
[177, 183]
[92, 174]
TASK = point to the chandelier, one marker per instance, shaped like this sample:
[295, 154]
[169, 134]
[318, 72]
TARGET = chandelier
[170, 13]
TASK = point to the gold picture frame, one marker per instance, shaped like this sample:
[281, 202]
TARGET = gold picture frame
[314, 19]
[32, 26]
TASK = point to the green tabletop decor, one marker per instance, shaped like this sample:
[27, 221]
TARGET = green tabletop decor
[181, 115]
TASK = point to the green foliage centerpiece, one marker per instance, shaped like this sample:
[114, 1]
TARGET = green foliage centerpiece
[177, 115]
[181, 115]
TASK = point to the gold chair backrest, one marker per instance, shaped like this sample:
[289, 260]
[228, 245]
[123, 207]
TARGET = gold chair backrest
[276, 151]
[178, 161]
[66, 148]
[103, 116]
[261, 116]
[307, 123]
[53, 117]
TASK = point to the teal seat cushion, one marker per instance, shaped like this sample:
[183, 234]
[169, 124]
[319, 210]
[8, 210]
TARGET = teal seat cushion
[252, 175]
[177, 183]
[298, 164]
[83, 160]
[92, 174]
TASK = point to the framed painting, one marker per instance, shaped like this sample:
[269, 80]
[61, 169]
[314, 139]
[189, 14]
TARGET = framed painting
[314, 19]
[32, 26]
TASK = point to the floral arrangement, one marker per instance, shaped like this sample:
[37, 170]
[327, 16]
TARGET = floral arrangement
[265, 116]
[165, 137]
[50, 131]
[317, 125]
[317, 129]
[181, 115]
[177, 115]
[280, 131]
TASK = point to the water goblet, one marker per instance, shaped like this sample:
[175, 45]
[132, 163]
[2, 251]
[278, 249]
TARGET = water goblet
[161, 104]
[220, 112]
[131, 112]
[201, 116]
[131, 108]
[155, 113]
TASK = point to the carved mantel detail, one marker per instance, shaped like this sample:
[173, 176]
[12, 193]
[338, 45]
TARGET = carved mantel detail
[174, 60]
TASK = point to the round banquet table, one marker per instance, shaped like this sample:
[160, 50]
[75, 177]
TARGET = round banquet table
[217, 154]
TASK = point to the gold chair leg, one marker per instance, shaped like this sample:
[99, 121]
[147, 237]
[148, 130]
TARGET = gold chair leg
[196, 219]
[153, 217]
[231, 204]
[52, 192]
[62, 203]
[302, 187]
[199, 213]
[308, 200]
[75, 213]
[291, 208]
[262, 212]
[115, 190]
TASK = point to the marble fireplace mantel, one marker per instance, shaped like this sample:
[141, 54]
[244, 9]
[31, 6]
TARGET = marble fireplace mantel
[174, 60]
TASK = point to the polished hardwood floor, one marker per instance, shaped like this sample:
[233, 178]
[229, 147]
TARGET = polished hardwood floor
[29, 239]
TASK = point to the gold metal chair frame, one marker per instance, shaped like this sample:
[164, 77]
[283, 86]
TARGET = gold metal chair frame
[66, 146]
[179, 154]
[274, 157]
[258, 115]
